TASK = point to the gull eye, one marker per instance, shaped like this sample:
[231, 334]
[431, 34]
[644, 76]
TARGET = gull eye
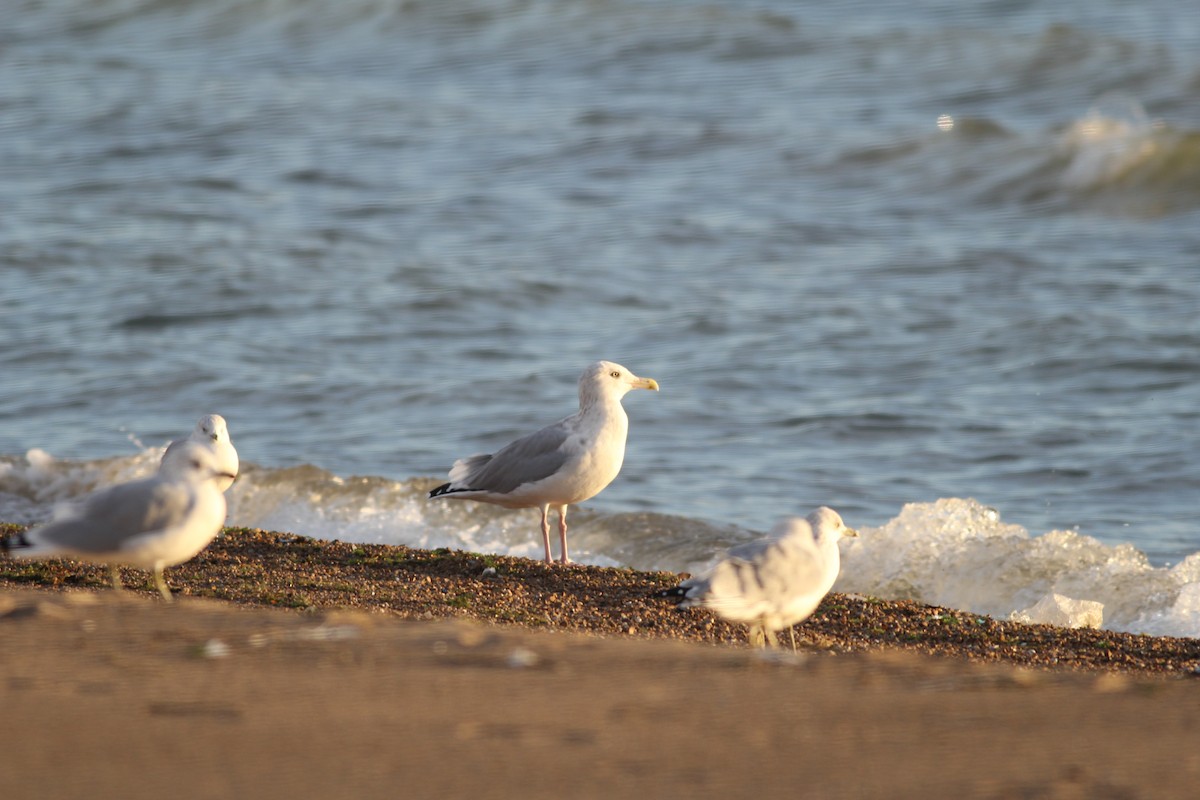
[615, 373]
[195, 464]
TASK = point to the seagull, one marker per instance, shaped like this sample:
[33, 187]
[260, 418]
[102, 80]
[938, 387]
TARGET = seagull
[773, 583]
[560, 465]
[211, 432]
[151, 523]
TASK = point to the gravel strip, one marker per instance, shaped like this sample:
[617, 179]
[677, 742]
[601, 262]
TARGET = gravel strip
[267, 568]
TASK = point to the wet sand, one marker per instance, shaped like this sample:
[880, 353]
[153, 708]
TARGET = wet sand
[397, 672]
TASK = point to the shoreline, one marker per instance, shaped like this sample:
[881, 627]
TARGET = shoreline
[255, 567]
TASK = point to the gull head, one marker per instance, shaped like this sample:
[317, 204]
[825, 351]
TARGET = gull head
[210, 428]
[192, 462]
[608, 379]
[826, 522]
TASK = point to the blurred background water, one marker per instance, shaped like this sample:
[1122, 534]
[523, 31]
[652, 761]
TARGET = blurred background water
[876, 254]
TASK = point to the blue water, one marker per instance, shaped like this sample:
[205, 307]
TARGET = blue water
[876, 254]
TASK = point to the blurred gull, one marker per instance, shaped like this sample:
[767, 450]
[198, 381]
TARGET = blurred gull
[151, 523]
[560, 465]
[773, 583]
[211, 432]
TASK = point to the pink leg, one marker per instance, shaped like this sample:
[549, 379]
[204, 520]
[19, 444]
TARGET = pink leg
[562, 533]
[546, 532]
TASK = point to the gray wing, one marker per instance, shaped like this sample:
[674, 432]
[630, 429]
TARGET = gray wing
[749, 551]
[695, 590]
[788, 571]
[528, 459]
[781, 571]
[112, 516]
[787, 528]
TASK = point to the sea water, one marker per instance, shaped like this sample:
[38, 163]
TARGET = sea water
[933, 264]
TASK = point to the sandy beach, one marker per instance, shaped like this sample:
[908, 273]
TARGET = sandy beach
[289, 667]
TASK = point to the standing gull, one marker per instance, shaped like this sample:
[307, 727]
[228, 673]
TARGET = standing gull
[211, 432]
[560, 465]
[773, 583]
[152, 523]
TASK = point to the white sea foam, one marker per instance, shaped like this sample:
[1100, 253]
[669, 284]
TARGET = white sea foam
[953, 552]
[1114, 137]
[39, 486]
[958, 553]
[1067, 612]
[313, 502]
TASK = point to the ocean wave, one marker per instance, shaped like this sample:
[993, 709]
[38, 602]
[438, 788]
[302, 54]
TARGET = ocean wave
[959, 553]
[1117, 155]
[1114, 158]
[953, 552]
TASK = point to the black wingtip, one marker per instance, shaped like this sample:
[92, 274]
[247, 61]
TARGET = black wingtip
[7, 543]
[439, 491]
[675, 591]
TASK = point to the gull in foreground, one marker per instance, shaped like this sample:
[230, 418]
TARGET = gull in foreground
[152, 523]
[211, 432]
[773, 583]
[560, 465]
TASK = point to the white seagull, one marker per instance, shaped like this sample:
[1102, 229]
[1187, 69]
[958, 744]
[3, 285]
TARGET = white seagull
[151, 523]
[212, 432]
[560, 465]
[773, 583]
